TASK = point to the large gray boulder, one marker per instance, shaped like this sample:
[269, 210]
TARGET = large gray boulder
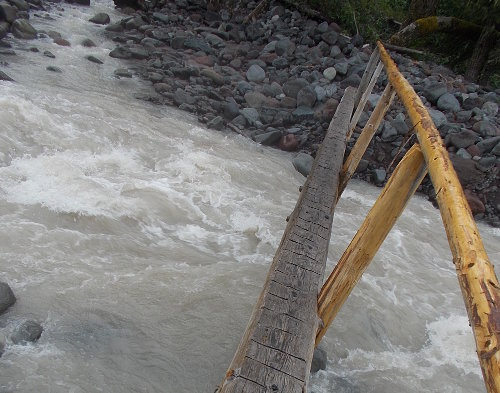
[28, 331]
[434, 90]
[7, 297]
[319, 360]
[255, 73]
[21, 28]
[448, 102]
[302, 163]
[100, 19]
[8, 13]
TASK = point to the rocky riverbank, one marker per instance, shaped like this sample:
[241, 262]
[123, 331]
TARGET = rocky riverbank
[279, 78]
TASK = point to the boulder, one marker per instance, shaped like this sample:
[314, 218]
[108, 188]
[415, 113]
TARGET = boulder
[438, 117]
[490, 108]
[284, 47]
[330, 37]
[302, 163]
[5, 77]
[216, 78]
[255, 74]
[21, 28]
[160, 17]
[100, 19]
[54, 69]
[134, 23]
[306, 97]
[434, 90]
[28, 331]
[122, 73]
[255, 99]
[268, 138]
[379, 175]
[21, 5]
[62, 42]
[4, 29]
[8, 13]
[462, 139]
[7, 297]
[217, 123]
[448, 102]
[486, 128]
[88, 43]
[198, 44]
[303, 113]
[115, 27]
[342, 67]
[293, 86]
[49, 54]
[496, 150]
[319, 360]
[93, 59]
[120, 52]
[330, 73]
[183, 97]
[251, 115]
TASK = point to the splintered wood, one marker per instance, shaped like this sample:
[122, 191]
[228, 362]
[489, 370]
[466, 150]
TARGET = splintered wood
[276, 350]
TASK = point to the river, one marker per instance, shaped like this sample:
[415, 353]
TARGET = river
[140, 240]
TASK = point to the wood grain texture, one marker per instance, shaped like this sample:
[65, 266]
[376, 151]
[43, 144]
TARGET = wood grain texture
[276, 350]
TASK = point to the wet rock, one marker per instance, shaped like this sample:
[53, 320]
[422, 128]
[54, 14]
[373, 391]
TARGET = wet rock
[292, 87]
[160, 17]
[7, 297]
[4, 29]
[268, 138]
[54, 69]
[434, 90]
[217, 123]
[62, 42]
[475, 204]
[448, 102]
[21, 5]
[330, 73]
[100, 19]
[5, 77]
[379, 175]
[330, 37]
[28, 331]
[115, 27]
[120, 52]
[486, 163]
[486, 128]
[319, 360]
[183, 97]
[93, 59]
[134, 23]
[21, 28]
[88, 43]
[49, 54]
[302, 163]
[198, 44]
[255, 74]
[122, 73]
[306, 97]
[438, 117]
[251, 115]
[463, 139]
[8, 13]
[490, 108]
[342, 68]
[213, 76]
[302, 113]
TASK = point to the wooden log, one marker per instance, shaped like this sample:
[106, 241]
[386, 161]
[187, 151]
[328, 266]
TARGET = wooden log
[352, 161]
[276, 350]
[436, 24]
[402, 49]
[477, 278]
[364, 98]
[379, 221]
[367, 75]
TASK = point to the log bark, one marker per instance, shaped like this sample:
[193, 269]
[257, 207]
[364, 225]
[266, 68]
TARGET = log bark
[482, 49]
[436, 24]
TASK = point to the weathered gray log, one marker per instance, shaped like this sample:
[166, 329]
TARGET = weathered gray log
[276, 350]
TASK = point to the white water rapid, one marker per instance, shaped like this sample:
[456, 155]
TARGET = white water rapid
[140, 241]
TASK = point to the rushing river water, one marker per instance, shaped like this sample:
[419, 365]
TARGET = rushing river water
[140, 241]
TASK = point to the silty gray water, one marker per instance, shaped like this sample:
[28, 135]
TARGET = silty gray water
[140, 241]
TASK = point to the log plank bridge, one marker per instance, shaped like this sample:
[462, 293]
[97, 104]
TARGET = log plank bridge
[295, 307]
